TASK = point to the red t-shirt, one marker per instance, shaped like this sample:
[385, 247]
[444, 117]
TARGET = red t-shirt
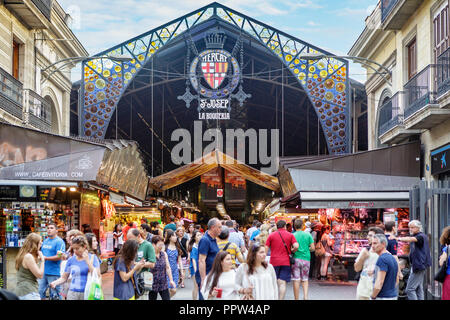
[125, 232]
[278, 254]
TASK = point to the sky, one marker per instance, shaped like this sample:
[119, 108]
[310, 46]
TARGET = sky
[333, 25]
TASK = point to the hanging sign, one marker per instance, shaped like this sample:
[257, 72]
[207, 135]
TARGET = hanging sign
[215, 74]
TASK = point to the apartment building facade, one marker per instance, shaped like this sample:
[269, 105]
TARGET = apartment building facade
[412, 102]
[34, 34]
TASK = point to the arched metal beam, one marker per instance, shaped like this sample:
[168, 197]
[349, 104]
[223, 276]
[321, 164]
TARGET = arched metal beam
[325, 81]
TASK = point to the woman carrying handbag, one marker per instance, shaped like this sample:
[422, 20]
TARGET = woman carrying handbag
[443, 275]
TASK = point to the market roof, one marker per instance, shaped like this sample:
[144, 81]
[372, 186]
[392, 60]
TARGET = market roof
[208, 162]
[395, 168]
[28, 154]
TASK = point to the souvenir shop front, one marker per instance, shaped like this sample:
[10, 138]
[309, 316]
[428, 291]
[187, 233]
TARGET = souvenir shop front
[350, 194]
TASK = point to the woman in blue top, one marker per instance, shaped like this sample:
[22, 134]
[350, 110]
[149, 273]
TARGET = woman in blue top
[174, 252]
[78, 267]
[193, 266]
[125, 270]
[445, 241]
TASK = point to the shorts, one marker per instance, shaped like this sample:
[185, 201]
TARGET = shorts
[300, 270]
[74, 295]
[31, 296]
[283, 273]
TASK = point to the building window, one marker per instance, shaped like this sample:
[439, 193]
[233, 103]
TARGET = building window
[440, 28]
[15, 62]
[412, 58]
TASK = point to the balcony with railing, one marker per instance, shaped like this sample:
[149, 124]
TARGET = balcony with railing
[419, 90]
[395, 13]
[391, 114]
[38, 111]
[443, 73]
[422, 110]
[10, 94]
[33, 13]
[386, 8]
[390, 122]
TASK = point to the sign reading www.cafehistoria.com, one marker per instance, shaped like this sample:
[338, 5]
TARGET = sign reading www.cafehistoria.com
[215, 74]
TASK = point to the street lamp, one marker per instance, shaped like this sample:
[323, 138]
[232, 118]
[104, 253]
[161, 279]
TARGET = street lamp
[364, 61]
[71, 60]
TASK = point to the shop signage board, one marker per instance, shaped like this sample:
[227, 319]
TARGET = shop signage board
[440, 160]
[133, 201]
[9, 193]
[116, 198]
[355, 204]
[211, 182]
[28, 154]
[215, 74]
[219, 193]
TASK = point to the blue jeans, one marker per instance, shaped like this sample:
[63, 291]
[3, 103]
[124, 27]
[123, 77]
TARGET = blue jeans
[44, 283]
[198, 280]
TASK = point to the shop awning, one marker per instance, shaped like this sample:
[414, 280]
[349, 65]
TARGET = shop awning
[207, 163]
[390, 169]
[378, 178]
[352, 200]
[31, 155]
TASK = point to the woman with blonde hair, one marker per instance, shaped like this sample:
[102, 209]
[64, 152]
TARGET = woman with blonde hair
[28, 270]
[263, 235]
[262, 238]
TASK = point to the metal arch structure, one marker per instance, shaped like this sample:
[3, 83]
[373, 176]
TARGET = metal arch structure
[326, 81]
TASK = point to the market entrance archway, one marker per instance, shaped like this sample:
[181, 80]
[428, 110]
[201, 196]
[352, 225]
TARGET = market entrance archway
[106, 82]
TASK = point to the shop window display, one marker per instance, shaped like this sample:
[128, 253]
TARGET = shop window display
[349, 234]
[17, 224]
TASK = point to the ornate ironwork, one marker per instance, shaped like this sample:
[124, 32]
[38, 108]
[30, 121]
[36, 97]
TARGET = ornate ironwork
[326, 81]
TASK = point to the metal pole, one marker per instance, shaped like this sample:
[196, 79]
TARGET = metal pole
[318, 136]
[354, 147]
[152, 119]
[307, 130]
[282, 110]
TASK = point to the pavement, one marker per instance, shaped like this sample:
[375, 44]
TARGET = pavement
[318, 290]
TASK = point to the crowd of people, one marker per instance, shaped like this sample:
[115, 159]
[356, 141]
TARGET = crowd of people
[224, 261]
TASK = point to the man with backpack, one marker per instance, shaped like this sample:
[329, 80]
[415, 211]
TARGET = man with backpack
[225, 245]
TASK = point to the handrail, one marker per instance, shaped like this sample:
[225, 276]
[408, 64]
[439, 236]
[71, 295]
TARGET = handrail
[39, 107]
[10, 87]
[391, 113]
[44, 6]
[386, 8]
[420, 90]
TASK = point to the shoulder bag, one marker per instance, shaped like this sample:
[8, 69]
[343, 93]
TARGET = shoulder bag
[138, 284]
[442, 273]
[291, 256]
[226, 246]
[319, 249]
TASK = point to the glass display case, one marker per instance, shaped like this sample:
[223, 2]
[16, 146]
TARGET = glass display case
[354, 247]
[403, 247]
